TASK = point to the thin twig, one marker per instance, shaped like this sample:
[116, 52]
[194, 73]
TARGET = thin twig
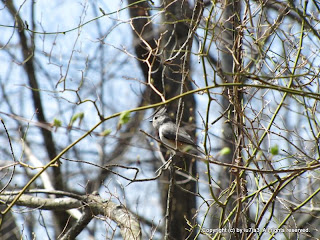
[12, 154]
[169, 203]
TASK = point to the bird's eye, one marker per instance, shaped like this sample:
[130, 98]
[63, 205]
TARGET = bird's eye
[155, 117]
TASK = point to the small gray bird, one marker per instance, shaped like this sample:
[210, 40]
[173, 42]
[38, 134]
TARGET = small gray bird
[173, 136]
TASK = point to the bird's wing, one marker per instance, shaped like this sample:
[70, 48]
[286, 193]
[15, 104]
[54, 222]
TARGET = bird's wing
[182, 135]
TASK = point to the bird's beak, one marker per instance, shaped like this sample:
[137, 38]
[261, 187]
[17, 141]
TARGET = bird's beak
[150, 120]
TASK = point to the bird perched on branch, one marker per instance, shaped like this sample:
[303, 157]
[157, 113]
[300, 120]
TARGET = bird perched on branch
[171, 135]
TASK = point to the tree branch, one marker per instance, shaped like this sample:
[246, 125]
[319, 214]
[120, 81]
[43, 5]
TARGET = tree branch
[127, 221]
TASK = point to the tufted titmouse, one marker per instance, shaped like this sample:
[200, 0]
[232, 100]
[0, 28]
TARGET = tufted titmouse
[173, 136]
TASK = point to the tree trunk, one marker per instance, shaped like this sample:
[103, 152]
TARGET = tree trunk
[171, 77]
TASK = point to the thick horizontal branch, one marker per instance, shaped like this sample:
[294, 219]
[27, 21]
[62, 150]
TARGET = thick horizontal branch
[44, 203]
[127, 221]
